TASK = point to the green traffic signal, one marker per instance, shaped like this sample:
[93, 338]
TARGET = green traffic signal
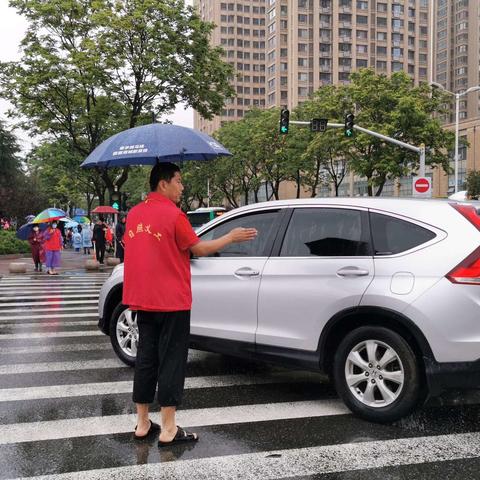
[349, 123]
[284, 120]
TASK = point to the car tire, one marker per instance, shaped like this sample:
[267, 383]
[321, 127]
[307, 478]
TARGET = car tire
[377, 374]
[123, 325]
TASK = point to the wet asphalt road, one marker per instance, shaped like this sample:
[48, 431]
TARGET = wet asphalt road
[66, 412]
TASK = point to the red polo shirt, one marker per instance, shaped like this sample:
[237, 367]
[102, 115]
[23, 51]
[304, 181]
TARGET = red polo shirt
[157, 239]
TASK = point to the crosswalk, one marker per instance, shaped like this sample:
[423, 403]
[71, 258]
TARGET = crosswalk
[66, 410]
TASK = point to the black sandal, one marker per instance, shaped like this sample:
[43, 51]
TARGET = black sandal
[154, 427]
[181, 436]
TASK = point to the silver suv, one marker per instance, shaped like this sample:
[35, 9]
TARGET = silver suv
[382, 294]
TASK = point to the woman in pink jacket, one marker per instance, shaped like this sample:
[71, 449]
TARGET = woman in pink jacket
[53, 245]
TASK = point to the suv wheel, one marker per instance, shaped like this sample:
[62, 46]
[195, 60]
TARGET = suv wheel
[377, 374]
[124, 334]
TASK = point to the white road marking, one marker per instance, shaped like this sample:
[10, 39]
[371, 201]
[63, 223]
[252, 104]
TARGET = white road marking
[79, 333]
[111, 424]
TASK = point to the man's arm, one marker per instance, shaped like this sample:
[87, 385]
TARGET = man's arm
[237, 235]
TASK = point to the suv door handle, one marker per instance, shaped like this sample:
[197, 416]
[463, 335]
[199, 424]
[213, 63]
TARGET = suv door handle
[246, 272]
[352, 272]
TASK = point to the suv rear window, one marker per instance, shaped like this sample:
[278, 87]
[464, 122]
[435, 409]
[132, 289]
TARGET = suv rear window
[326, 232]
[392, 235]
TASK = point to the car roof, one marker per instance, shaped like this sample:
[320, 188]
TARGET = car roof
[420, 209]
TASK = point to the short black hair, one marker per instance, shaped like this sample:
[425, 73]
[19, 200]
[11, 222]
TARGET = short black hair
[162, 171]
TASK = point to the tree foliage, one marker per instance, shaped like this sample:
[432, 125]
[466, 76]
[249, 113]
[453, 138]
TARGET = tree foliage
[20, 193]
[388, 105]
[91, 68]
[473, 185]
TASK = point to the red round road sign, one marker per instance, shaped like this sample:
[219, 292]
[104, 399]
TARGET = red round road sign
[422, 185]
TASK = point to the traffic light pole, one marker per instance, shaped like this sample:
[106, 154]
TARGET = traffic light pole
[420, 150]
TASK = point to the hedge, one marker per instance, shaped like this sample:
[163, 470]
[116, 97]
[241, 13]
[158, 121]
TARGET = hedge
[9, 243]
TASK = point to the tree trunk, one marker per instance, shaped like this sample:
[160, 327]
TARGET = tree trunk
[298, 184]
[370, 187]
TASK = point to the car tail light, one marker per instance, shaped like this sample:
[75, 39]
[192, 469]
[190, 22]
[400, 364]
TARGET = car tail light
[469, 212]
[468, 271]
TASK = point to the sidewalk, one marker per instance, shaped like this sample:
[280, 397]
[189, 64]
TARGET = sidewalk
[72, 262]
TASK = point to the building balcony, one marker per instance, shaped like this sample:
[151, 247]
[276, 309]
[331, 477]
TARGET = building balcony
[325, 54]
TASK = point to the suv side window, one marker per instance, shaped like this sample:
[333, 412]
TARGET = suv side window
[326, 232]
[392, 235]
[266, 224]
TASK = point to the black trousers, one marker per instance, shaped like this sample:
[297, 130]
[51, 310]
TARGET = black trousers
[161, 357]
[100, 252]
[120, 252]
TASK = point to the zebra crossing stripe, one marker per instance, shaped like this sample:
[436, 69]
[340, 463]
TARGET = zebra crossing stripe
[112, 424]
[18, 292]
[39, 297]
[298, 462]
[44, 282]
[79, 333]
[36, 310]
[107, 388]
[60, 366]
[50, 315]
[52, 302]
[69, 347]
[49, 324]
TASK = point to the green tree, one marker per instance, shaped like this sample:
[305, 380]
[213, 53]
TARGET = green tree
[473, 185]
[20, 193]
[91, 68]
[393, 107]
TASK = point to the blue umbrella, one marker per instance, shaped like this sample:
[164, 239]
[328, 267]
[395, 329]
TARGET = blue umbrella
[24, 231]
[154, 143]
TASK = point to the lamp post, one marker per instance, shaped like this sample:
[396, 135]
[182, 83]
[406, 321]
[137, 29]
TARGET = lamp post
[457, 119]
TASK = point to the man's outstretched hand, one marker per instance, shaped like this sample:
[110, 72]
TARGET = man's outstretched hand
[241, 234]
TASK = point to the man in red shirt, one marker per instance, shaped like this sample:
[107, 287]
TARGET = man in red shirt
[158, 241]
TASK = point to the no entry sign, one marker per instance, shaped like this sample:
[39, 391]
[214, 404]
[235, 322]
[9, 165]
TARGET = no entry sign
[422, 187]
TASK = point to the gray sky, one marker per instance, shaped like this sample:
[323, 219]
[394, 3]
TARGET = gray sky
[12, 29]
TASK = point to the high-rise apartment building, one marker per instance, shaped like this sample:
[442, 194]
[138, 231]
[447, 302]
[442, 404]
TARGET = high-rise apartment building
[457, 52]
[457, 67]
[283, 50]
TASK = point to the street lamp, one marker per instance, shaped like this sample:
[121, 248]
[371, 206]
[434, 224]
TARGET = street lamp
[457, 119]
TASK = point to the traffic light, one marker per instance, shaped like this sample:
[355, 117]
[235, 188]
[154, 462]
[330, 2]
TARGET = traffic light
[318, 124]
[349, 123]
[284, 121]
[115, 200]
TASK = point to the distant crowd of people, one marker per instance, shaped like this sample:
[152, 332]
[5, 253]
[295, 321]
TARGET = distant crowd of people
[46, 246]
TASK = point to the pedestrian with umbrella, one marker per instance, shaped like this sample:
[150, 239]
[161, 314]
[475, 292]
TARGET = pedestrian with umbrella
[35, 239]
[157, 282]
[53, 246]
[119, 233]
[99, 240]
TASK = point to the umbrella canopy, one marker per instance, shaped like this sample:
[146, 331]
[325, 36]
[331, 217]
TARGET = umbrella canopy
[157, 142]
[29, 218]
[104, 209]
[49, 215]
[24, 231]
[80, 219]
[71, 224]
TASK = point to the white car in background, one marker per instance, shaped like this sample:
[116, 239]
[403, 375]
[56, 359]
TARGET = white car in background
[382, 294]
